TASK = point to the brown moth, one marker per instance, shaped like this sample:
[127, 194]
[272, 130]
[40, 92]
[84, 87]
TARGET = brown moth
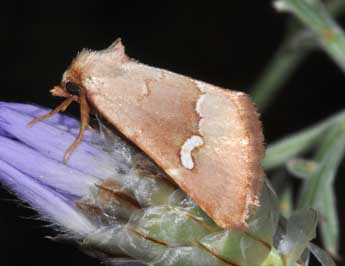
[207, 139]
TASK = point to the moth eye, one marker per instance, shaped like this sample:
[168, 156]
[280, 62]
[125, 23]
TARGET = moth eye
[72, 88]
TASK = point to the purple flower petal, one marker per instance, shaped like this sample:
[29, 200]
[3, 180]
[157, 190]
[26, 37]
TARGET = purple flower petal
[47, 202]
[63, 122]
[35, 111]
[50, 172]
[53, 143]
[4, 133]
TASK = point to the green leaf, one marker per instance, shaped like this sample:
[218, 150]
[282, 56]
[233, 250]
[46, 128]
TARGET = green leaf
[236, 247]
[300, 230]
[170, 225]
[187, 256]
[317, 190]
[280, 152]
[296, 46]
[302, 168]
[315, 16]
[250, 247]
[275, 74]
[329, 221]
[331, 152]
[329, 224]
[139, 247]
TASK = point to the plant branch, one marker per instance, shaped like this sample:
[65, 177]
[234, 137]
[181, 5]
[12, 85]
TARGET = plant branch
[298, 43]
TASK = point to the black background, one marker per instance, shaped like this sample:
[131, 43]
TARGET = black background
[225, 44]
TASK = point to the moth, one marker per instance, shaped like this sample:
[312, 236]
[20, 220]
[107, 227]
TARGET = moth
[208, 139]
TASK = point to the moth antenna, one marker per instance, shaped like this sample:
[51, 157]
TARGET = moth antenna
[60, 108]
[84, 123]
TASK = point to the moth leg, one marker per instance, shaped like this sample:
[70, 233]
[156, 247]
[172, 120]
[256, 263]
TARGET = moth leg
[84, 123]
[61, 107]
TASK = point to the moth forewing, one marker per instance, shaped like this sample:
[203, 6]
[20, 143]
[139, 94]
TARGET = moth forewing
[208, 139]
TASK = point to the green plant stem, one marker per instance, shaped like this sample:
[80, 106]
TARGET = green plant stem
[287, 58]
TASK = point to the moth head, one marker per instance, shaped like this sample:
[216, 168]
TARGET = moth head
[91, 67]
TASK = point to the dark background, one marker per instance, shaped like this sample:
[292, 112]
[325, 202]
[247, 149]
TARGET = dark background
[225, 44]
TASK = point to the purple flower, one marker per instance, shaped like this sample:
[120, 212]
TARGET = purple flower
[94, 194]
[31, 164]
[116, 203]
